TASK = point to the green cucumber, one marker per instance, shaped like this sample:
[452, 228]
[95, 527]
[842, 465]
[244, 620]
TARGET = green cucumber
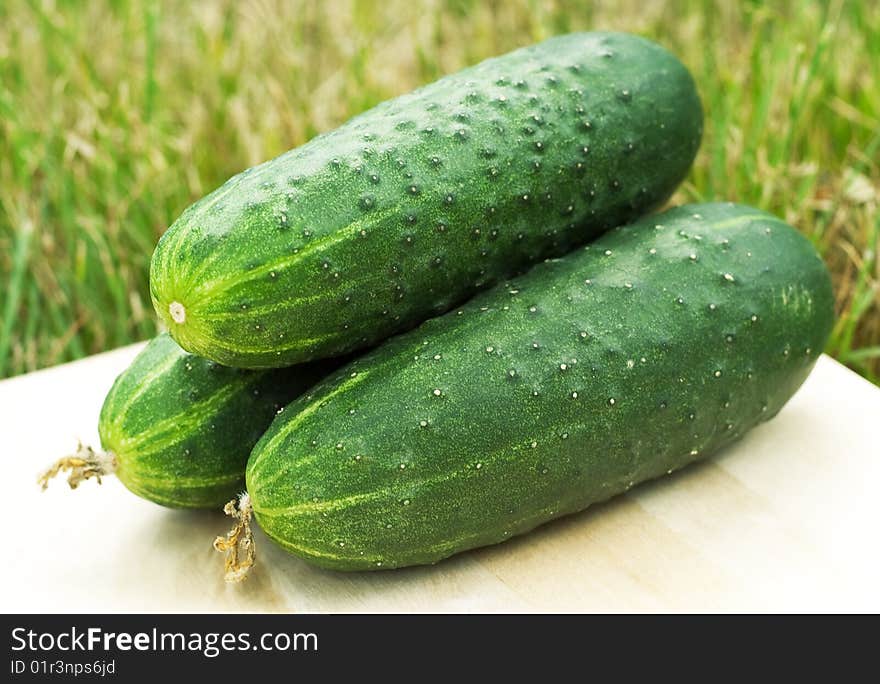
[409, 208]
[647, 350]
[177, 429]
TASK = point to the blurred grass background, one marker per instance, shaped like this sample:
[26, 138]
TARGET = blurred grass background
[114, 116]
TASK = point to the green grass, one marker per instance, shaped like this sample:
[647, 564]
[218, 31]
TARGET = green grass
[114, 116]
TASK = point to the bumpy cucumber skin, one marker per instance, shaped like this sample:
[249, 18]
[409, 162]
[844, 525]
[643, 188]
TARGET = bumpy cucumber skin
[411, 207]
[181, 427]
[643, 352]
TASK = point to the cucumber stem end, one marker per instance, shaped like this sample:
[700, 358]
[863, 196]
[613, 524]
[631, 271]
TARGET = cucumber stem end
[86, 463]
[177, 311]
[238, 544]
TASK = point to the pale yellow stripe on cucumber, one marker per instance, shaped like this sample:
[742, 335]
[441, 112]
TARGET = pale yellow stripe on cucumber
[184, 423]
[307, 551]
[536, 516]
[310, 507]
[144, 385]
[730, 222]
[300, 343]
[268, 309]
[737, 220]
[163, 499]
[181, 233]
[294, 422]
[193, 482]
[166, 253]
[196, 275]
[220, 286]
[323, 295]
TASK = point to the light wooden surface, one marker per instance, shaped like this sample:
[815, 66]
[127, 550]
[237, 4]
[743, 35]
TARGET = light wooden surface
[787, 520]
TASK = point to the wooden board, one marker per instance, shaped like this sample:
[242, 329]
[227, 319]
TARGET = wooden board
[786, 520]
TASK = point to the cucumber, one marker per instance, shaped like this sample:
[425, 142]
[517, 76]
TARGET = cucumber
[642, 352]
[178, 429]
[409, 208]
